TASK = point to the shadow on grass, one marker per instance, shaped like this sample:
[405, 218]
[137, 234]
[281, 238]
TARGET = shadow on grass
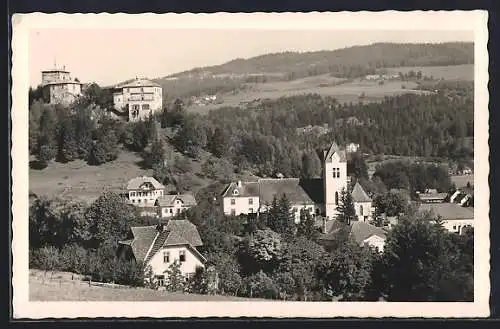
[37, 165]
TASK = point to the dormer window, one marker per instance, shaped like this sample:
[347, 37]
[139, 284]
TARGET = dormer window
[235, 192]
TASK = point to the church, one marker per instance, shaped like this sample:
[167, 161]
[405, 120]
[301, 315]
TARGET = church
[320, 197]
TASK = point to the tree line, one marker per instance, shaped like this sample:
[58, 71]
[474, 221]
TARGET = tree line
[266, 141]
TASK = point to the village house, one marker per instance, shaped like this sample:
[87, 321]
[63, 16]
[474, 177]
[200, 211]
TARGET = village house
[362, 233]
[352, 148]
[58, 87]
[454, 216]
[318, 196]
[158, 247]
[171, 205]
[140, 98]
[463, 196]
[144, 191]
[432, 197]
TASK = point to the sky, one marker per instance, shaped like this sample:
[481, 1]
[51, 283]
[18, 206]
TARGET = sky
[109, 56]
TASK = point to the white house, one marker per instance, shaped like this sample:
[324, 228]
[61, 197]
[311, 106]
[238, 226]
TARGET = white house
[144, 191]
[158, 247]
[361, 232]
[139, 98]
[367, 234]
[171, 205]
[352, 148]
[318, 196]
[454, 216]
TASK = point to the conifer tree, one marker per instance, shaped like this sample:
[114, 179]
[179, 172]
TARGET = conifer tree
[345, 209]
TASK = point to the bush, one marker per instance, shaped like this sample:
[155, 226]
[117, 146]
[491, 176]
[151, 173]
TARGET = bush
[46, 259]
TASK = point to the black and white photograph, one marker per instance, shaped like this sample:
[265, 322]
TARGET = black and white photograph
[288, 165]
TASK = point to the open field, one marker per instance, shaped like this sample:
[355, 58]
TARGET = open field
[462, 180]
[78, 180]
[344, 92]
[62, 288]
[454, 72]
[342, 89]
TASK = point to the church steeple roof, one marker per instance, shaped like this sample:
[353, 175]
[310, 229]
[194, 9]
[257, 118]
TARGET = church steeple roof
[334, 148]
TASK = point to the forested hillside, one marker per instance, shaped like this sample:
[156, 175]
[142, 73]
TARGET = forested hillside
[349, 62]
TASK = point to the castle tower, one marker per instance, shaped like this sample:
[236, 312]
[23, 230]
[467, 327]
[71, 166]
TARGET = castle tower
[334, 178]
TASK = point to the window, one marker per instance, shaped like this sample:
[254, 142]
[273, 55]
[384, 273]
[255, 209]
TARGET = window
[135, 107]
[250, 201]
[178, 210]
[361, 210]
[166, 257]
[233, 201]
[454, 227]
[336, 172]
[250, 210]
[182, 255]
[233, 212]
[132, 193]
[336, 198]
[170, 210]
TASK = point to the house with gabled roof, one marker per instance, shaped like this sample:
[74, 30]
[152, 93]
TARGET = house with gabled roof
[144, 191]
[139, 99]
[158, 247]
[171, 205]
[320, 197]
[454, 216]
[361, 232]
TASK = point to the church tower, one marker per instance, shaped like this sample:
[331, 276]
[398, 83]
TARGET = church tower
[334, 178]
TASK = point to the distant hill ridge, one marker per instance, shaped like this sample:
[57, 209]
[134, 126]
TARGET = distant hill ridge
[374, 56]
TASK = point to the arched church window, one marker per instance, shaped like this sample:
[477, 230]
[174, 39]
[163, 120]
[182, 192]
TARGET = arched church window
[336, 198]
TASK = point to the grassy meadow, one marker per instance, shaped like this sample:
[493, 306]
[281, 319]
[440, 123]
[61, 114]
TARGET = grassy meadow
[61, 287]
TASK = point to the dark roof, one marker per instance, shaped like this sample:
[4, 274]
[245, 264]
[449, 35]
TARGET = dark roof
[448, 211]
[270, 187]
[169, 200]
[361, 231]
[185, 228]
[246, 189]
[143, 238]
[149, 238]
[334, 148]
[314, 188]
[137, 182]
[359, 195]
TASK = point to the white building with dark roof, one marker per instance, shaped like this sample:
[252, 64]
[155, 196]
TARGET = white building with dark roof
[172, 205]
[158, 247]
[318, 196]
[144, 191]
[454, 216]
[140, 98]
